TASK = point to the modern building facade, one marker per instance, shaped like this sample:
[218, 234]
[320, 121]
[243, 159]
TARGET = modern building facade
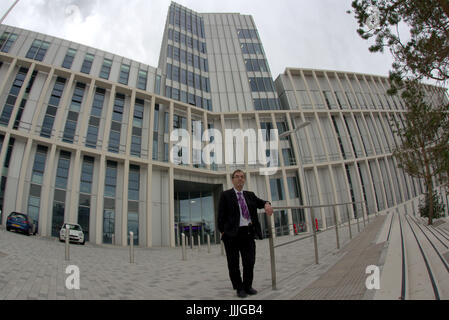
[85, 134]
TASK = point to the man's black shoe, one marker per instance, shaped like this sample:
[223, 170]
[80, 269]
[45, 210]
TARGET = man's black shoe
[251, 291]
[241, 293]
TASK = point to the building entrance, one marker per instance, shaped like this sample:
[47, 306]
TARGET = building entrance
[195, 212]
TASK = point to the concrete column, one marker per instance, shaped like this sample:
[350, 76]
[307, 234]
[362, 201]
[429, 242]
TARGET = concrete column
[46, 210]
[100, 201]
[20, 205]
[75, 188]
[124, 221]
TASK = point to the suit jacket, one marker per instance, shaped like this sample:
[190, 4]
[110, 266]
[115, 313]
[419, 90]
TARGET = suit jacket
[229, 212]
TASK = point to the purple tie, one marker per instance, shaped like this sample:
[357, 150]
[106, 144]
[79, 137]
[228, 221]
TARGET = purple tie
[243, 206]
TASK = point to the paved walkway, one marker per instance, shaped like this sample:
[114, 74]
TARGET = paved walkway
[34, 268]
[346, 279]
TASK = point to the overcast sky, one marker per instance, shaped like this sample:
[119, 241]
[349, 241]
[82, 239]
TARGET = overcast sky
[315, 34]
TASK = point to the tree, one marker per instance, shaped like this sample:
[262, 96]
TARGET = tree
[422, 54]
[438, 207]
[425, 52]
[423, 139]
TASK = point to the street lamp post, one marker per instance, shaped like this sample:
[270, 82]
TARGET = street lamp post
[9, 10]
[270, 227]
[312, 216]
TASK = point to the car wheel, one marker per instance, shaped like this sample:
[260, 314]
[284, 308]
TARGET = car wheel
[8, 228]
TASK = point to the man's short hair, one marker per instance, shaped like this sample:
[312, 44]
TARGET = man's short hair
[238, 170]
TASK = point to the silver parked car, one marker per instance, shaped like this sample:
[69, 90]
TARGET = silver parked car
[76, 233]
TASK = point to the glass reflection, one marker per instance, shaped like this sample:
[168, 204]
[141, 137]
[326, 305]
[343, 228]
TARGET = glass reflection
[195, 217]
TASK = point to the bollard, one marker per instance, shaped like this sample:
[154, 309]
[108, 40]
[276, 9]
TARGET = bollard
[113, 239]
[183, 244]
[208, 243]
[67, 242]
[131, 247]
[199, 243]
[336, 229]
[222, 247]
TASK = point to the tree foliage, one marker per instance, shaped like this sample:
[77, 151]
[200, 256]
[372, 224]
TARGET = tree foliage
[424, 134]
[421, 54]
[424, 52]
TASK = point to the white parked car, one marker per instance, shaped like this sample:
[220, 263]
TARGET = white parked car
[76, 233]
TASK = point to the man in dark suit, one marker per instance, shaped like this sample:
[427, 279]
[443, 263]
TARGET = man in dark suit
[239, 224]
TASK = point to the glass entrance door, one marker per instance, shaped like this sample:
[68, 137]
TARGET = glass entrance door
[195, 212]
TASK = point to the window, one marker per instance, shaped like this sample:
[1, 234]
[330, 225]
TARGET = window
[95, 116]
[38, 50]
[117, 116]
[124, 74]
[62, 173]
[12, 97]
[6, 41]
[261, 84]
[69, 57]
[110, 179]
[134, 183]
[136, 138]
[266, 104]
[289, 159]
[142, 80]
[293, 187]
[106, 69]
[86, 179]
[47, 125]
[37, 175]
[247, 34]
[87, 175]
[256, 65]
[157, 88]
[75, 107]
[277, 189]
[87, 63]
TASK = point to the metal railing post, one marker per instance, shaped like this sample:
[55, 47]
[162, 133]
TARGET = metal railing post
[272, 257]
[315, 240]
[131, 247]
[67, 243]
[358, 220]
[349, 222]
[336, 229]
[363, 214]
[367, 214]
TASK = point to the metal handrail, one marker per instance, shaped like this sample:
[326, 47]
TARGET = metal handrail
[314, 231]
